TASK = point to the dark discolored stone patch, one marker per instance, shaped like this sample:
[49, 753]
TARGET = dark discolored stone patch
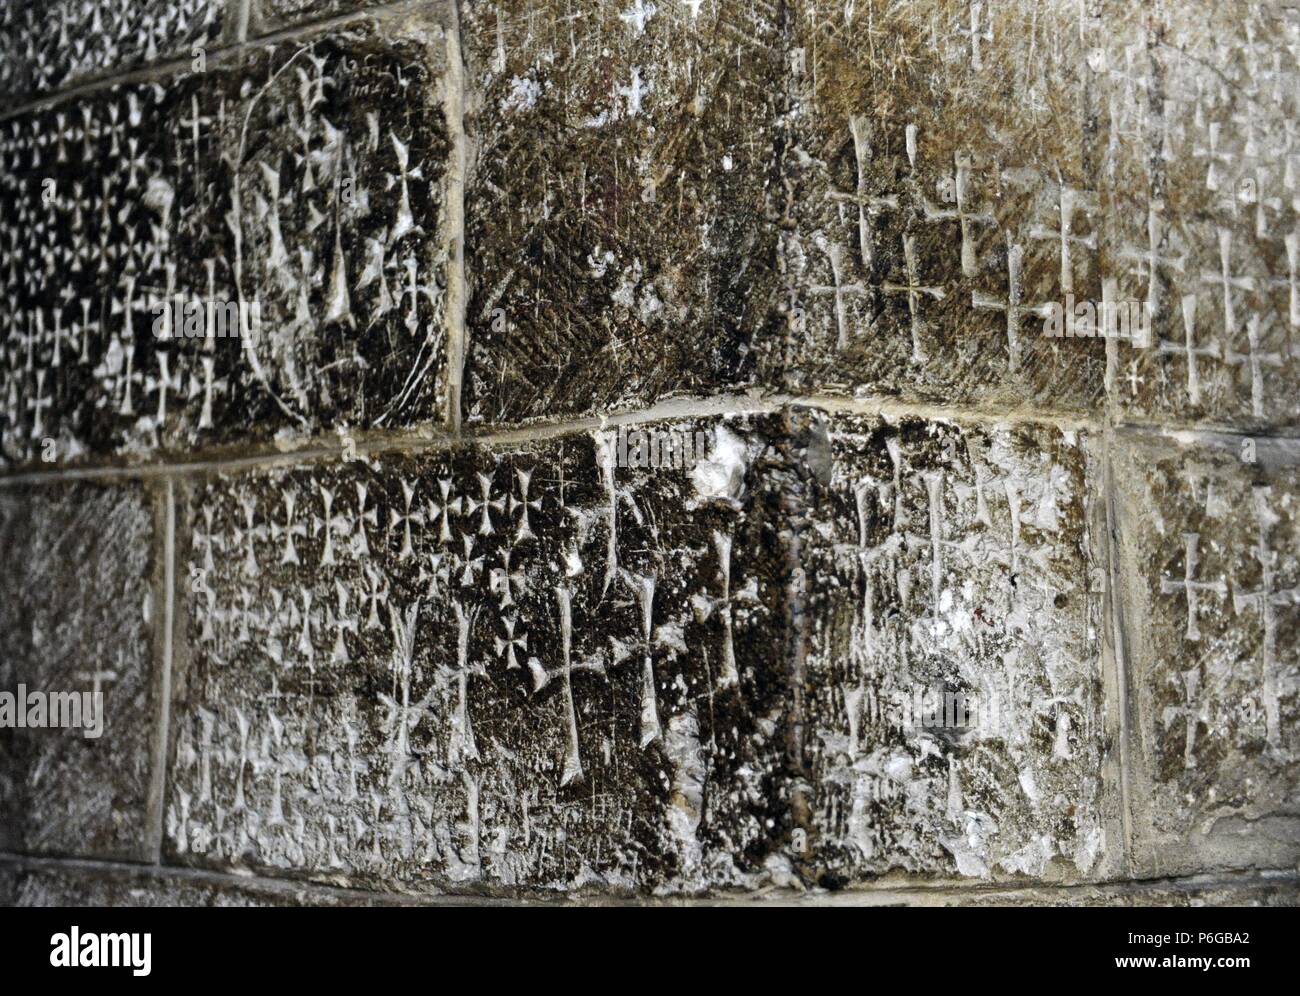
[46, 45]
[959, 170]
[8, 886]
[79, 612]
[298, 194]
[620, 234]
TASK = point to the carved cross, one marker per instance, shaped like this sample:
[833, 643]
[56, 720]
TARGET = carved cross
[440, 512]
[341, 622]
[1189, 712]
[840, 291]
[289, 530]
[507, 646]
[963, 214]
[1227, 282]
[1255, 361]
[914, 291]
[1265, 600]
[1189, 350]
[405, 519]
[1148, 261]
[504, 582]
[1071, 200]
[1190, 587]
[869, 206]
[486, 503]
[522, 505]
[1011, 305]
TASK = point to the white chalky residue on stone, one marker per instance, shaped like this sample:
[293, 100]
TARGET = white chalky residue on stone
[523, 94]
[1089, 848]
[1033, 859]
[722, 475]
[686, 809]
[625, 295]
[599, 262]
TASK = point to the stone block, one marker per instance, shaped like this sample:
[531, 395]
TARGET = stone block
[1211, 597]
[620, 228]
[1204, 208]
[524, 667]
[80, 611]
[956, 720]
[943, 195]
[1126, 163]
[287, 205]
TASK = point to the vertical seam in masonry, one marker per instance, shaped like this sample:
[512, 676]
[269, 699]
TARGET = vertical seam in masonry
[158, 780]
[1092, 137]
[1118, 641]
[454, 305]
[792, 506]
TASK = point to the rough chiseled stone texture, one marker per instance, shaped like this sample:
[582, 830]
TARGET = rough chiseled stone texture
[340, 168]
[524, 667]
[944, 559]
[1120, 155]
[1212, 609]
[304, 180]
[877, 639]
[54, 886]
[48, 44]
[928, 170]
[619, 233]
[78, 604]
[1202, 190]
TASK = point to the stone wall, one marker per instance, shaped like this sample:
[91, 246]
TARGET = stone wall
[556, 449]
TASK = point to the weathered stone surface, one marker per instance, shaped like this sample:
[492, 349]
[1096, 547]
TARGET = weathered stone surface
[877, 648]
[304, 181]
[930, 168]
[522, 667]
[1211, 597]
[944, 560]
[620, 241]
[1204, 182]
[50, 885]
[1122, 155]
[79, 603]
[272, 15]
[49, 44]
[66, 885]
[344, 244]
[8, 886]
